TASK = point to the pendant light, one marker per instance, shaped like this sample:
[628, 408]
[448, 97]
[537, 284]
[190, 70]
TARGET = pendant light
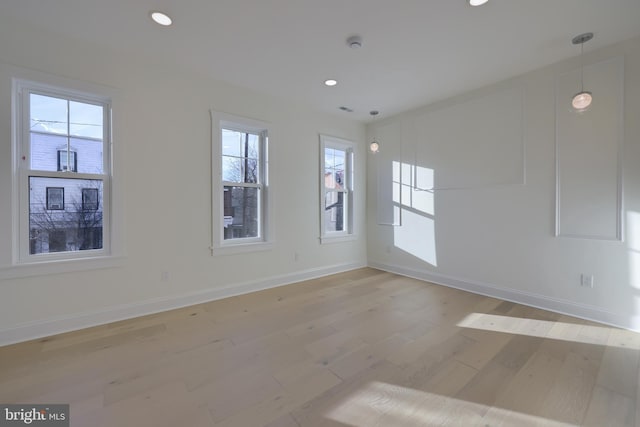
[582, 100]
[374, 146]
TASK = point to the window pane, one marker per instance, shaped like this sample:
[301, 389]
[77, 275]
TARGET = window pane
[48, 114]
[59, 216]
[49, 151]
[44, 151]
[231, 143]
[241, 212]
[240, 144]
[240, 156]
[251, 148]
[89, 155]
[240, 170]
[232, 169]
[334, 179]
[328, 158]
[86, 120]
[339, 159]
[334, 211]
[329, 179]
[250, 170]
[334, 172]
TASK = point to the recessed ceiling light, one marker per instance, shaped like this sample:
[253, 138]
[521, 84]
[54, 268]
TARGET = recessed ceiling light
[161, 18]
[330, 82]
[477, 2]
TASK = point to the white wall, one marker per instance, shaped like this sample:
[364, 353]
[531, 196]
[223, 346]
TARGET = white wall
[500, 239]
[164, 176]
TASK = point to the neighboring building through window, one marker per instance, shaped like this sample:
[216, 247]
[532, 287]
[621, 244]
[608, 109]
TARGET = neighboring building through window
[336, 188]
[64, 172]
[240, 150]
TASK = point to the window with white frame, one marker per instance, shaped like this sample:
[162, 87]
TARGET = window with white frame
[240, 153]
[62, 144]
[336, 188]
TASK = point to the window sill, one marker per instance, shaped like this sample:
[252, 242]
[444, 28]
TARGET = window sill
[240, 248]
[338, 239]
[60, 266]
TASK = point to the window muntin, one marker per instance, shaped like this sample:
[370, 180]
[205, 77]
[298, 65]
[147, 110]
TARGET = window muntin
[336, 187]
[63, 174]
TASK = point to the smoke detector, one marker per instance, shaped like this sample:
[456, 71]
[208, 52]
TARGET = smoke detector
[354, 42]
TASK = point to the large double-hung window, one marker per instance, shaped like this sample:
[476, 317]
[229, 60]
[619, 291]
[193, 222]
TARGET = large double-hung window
[240, 164]
[63, 173]
[336, 189]
[242, 183]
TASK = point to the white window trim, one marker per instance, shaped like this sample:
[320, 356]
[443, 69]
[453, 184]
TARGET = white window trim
[108, 257]
[348, 234]
[220, 246]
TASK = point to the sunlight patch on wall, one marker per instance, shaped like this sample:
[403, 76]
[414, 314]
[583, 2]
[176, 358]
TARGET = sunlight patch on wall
[633, 243]
[383, 404]
[416, 234]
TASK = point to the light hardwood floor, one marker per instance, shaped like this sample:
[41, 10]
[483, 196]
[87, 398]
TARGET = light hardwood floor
[364, 348]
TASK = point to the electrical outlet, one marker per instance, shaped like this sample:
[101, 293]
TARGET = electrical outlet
[586, 280]
[296, 256]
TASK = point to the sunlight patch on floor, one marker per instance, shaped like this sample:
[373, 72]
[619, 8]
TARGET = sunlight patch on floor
[585, 334]
[383, 404]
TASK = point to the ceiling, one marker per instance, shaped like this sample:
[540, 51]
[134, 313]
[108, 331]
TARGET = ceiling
[414, 52]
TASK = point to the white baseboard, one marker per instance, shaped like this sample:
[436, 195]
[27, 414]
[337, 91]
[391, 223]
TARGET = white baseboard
[557, 305]
[43, 328]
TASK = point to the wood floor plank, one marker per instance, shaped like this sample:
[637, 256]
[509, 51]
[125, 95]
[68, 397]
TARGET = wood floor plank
[527, 391]
[415, 349]
[486, 345]
[485, 387]
[364, 357]
[357, 349]
[568, 399]
[166, 406]
[608, 408]
[619, 366]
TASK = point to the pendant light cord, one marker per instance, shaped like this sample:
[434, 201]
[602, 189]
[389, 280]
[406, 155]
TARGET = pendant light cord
[582, 67]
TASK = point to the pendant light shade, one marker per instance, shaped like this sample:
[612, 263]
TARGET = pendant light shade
[374, 146]
[583, 99]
